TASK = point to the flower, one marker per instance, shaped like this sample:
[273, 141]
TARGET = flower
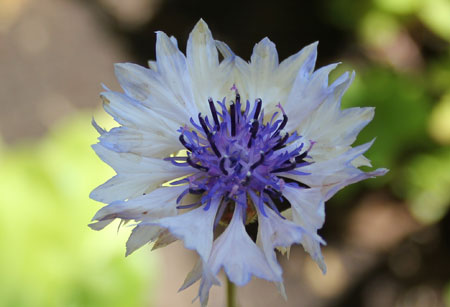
[207, 147]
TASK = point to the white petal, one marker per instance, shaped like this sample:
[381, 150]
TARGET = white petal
[99, 129]
[131, 113]
[208, 280]
[353, 177]
[195, 228]
[209, 79]
[264, 59]
[141, 235]
[309, 203]
[100, 225]
[156, 204]
[174, 74]
[152, 65]
[264, 78]
[307, 93]
[334, 130]
[140, 142]
[259, 75]
[136, 175]
[334, 174]
[165, 238]
[128, 163]
[120, 187]
[194, 275]
[224, 49]
[274, 232]
[151, 88]
[308, 211]
[134, 79]
[288, 69]
[240, 257]
[201, 50]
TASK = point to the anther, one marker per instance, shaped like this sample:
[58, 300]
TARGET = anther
[253, 131]
[259, 162]
[281, 126]
[203, 124]
[281, 142]
[214, 113]
[272, 192]
[246, 181]
[302, 185]
[233, 119]
[238, 168]
[196, 191]
[197, 166]
[300, 158]
[185, 144]
[258, 108]
[222, 166]
[188, 206]
[290, 167]
[213, 146]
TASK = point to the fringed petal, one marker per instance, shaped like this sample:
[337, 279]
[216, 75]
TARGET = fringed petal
[194, 228]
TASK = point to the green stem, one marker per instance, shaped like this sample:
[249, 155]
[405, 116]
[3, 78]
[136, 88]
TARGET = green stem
[231, 294]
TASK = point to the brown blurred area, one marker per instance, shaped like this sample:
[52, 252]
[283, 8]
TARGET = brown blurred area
[54, 55]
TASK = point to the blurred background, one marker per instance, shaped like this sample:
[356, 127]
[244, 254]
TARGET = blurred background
[388, 239]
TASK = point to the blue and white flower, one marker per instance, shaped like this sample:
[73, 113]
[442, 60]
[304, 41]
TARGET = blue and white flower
[206, 147]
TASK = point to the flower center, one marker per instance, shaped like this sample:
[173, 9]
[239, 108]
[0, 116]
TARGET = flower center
[239, 157]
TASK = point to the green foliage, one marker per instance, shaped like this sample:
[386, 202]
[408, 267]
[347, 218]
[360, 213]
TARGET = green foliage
[427, 185]
[447, 295]
[402, 107]
[49, 256]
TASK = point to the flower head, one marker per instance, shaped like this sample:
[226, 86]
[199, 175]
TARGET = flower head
[206, 147]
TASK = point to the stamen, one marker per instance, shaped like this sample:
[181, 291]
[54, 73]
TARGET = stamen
[208, 204]
[281, 142]
[290, 167]
[303, 185]
[274, 208]
[177, 182]
[213, 146]
[253, 131]
[272, 193]
[299, 159]
[238, 107]
[185, 144]
[261, 204]
[233, 119]
[233, 161]
[188, 206]
[258, 108]
[222, 166]
[259, 162]
[248, 176]
[229, 170]
[203, 124]
[197, 166]
[223, 205]
[238, 168]
[214, 113]
[180, 197]
[281, 126]
[196, 191]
